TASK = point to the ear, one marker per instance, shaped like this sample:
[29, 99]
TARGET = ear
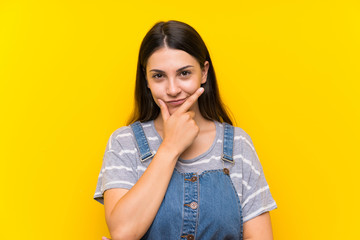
[204, 72]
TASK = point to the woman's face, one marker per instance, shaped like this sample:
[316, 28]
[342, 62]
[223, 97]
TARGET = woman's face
[173, 75]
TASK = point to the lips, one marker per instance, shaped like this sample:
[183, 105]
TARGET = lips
[175, 103]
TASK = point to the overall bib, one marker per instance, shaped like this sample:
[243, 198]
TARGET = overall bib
[197, 206]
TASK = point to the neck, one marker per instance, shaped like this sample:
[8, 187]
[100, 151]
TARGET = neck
[200, 121]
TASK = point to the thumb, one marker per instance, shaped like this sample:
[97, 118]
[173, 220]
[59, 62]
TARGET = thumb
[164, 110]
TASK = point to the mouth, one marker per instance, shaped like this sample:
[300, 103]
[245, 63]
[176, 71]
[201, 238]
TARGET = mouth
[177, 102]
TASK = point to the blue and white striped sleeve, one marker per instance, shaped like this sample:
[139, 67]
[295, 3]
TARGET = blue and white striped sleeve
[119, 165]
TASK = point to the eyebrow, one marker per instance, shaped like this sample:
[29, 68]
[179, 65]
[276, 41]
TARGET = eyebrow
[179, 70]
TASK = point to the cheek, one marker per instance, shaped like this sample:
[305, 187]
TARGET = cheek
[192, 85]
[155, 95]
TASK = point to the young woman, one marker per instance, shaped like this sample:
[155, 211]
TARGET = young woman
[180, 170]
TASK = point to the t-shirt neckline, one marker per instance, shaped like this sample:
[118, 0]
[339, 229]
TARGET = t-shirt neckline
[217, 134]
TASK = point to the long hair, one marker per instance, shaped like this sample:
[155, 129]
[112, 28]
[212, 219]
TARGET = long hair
[181, 36]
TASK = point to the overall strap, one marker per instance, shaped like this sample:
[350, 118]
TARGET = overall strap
[228, 143]
[142, 142]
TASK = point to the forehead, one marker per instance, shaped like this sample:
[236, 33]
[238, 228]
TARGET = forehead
[170, 59]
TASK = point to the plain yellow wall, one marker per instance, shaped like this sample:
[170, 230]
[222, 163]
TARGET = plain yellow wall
[288, 70]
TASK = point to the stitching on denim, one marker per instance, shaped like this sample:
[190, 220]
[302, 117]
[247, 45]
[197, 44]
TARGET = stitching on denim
[183, 209]
[239, 204]
[198, 209]
[209, 171]
[143, 144]
[228, 129]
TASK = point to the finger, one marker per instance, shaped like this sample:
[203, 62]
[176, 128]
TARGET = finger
[190, 101]
[164, 110]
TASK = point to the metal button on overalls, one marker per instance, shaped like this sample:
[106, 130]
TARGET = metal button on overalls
[190, 237]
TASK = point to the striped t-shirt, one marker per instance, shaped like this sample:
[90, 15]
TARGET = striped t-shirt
[122, 167]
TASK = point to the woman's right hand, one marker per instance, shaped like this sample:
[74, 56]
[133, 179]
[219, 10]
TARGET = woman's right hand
[180, 128]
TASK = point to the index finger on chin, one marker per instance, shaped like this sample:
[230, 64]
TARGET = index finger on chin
[191, 100]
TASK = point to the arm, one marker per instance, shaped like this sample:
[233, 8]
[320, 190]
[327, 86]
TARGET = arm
[129, 213]
[258, 228]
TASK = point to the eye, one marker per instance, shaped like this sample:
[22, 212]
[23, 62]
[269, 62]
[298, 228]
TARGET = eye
[157, 75]
[185, 73]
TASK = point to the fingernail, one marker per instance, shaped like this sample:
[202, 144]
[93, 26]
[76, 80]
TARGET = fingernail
[201, 89]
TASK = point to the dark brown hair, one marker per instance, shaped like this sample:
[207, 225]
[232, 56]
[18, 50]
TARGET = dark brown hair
[181, 36]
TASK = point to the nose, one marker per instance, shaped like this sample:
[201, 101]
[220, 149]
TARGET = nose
[173, 89]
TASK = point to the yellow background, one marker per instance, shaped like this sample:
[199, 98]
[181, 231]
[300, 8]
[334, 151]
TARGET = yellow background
[288, 70]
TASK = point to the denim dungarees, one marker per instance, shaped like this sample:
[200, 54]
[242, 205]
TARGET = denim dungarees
[204, 206]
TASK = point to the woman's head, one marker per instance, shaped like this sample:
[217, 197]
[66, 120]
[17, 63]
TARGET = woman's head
[176, 36]
[173, 76]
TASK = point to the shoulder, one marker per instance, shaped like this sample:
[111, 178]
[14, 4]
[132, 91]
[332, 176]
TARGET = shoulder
[240, 133]
[242, 138]
[122, 132]
[124, 136]
[244, 150]
[126, 132]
